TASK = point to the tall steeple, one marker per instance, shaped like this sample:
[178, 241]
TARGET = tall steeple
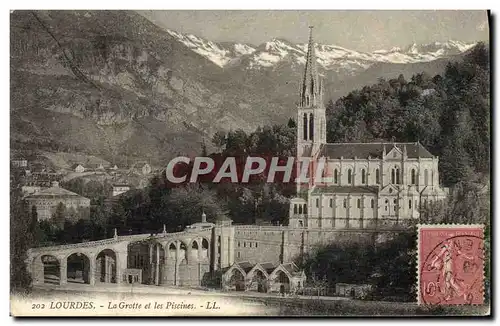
[311, 113]
[310, 92]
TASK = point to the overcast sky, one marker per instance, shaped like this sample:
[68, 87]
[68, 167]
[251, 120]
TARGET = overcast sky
[358, 30]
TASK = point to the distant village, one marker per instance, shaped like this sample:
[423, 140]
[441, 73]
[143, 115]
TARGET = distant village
[41, 183]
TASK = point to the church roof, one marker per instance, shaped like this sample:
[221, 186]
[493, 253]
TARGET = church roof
[345, 190]
[373, 150]
[54, 192]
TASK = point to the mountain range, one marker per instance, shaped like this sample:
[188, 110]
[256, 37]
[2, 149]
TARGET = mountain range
[329, 57]
[115, 85]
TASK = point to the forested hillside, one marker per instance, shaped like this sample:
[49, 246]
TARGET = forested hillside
[449, 114]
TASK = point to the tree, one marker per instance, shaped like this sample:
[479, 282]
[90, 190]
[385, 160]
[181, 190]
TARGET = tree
[219, 140]
[59, 216]
[21, 238]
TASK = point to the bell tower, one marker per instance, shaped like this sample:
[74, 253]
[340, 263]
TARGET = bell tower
[311, 116]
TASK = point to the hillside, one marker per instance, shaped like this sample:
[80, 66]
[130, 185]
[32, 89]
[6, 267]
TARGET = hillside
[115, 85]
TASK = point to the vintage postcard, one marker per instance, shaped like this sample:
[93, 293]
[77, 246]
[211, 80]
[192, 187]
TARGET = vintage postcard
[250, 163]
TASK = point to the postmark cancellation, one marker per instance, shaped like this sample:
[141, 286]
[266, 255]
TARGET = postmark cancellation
[450, 264]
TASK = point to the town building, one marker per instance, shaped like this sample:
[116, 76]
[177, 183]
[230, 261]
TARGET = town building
[19, 162]
[79, 168]
[47, 200]
[142, 168]
[118, 189]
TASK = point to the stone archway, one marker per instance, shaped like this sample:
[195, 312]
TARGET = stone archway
[237, 280]
[106, 266]
[51, 269]
[78, 268]
[282, 281]
[205, 249]
[259, 281]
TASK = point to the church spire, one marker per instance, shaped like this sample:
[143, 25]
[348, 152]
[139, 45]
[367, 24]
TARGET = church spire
[310, 93]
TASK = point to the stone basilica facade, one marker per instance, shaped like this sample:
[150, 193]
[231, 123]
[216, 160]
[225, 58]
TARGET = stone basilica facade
[364, 185]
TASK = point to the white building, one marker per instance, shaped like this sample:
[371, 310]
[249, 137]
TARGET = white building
[365, 184]
[118, 189]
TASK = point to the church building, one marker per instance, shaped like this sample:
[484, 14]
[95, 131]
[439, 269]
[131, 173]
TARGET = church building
[364, 185]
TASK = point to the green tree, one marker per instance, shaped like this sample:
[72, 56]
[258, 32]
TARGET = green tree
[219, 140]
[21, 238]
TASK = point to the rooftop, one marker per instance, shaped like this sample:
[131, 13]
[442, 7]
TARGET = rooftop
[373, 150]
[54, 192]
[345, 189]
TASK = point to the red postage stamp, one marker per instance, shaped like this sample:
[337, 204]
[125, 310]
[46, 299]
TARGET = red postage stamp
[450, 264]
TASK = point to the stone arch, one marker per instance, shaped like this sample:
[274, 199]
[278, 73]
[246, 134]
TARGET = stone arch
[257, 279]
[106, 261]
[78, 268]
[282, 278]
[256, 268]
[205, 248]
[184, 249]
[171, 250]
[50, 269]
[236, 278]
[194, 248]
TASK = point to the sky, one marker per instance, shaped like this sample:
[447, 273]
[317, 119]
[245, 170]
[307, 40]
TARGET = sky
[357, 30]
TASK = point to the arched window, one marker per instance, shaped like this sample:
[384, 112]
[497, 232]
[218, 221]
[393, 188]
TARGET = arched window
[305, 208]
[386, 205]
[426, 177]
[372, 203]
[409, 204]
[311, 126]
[363, 176]
[300, 209]
[345, 203]
[413, 177]
[377, 176]
[295, 208]
[359, 203]
[322, 127]
[349, 176]
[317, 202]
[393, 176]
[304, 126]
[398, 181]
[239, 244]
[336, 176]
[395, 201]
[331, 202]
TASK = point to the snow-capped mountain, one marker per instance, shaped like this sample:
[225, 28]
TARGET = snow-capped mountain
[329, 57]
